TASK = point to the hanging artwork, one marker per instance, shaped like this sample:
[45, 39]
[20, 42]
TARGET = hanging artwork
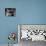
[32, 32]
[10, 11]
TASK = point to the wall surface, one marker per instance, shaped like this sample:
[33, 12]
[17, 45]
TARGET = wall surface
[27, 12]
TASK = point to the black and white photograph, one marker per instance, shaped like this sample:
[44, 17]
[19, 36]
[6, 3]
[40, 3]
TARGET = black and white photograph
[31, 34]
[10, 11]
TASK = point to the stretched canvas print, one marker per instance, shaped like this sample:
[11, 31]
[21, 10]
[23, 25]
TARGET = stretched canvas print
[31, 33]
